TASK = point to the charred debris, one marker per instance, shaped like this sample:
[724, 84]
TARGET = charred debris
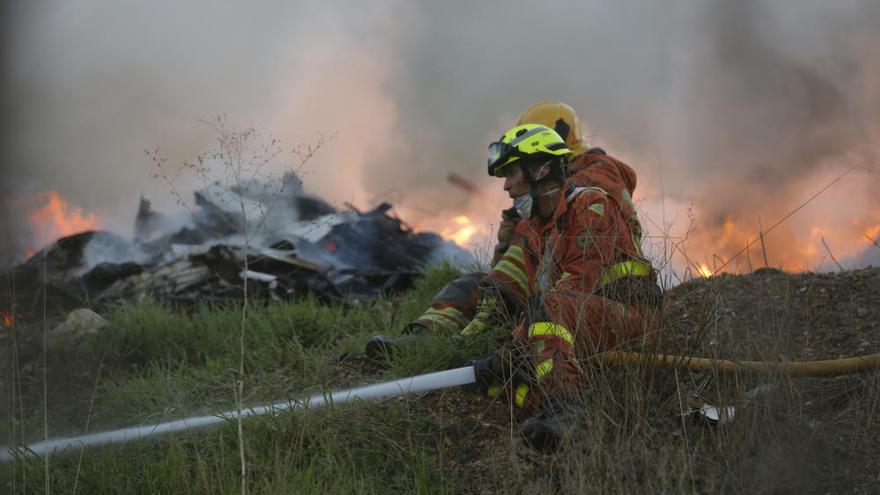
[296, 245]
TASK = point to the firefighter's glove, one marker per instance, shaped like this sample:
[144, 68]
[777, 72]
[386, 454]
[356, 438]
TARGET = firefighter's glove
[500, 372]
[489, 374]
[509, 218]
[487, 309]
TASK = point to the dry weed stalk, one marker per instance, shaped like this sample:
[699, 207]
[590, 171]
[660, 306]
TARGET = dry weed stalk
[831, 254]
[45, 345]
[763, 245]
[239, 162]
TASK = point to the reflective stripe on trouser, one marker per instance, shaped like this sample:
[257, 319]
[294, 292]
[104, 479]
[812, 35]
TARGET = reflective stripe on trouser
[522, 396]
[454, 306]
[580, 327]
[600, 324]
[449, 320]
[551, 349]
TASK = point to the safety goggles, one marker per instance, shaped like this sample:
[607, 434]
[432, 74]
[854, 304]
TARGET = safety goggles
[500, 152]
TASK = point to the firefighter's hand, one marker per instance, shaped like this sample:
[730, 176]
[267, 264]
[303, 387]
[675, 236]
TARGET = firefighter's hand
[500, 372]
[509, 218]
[488, 372]
[486, 309]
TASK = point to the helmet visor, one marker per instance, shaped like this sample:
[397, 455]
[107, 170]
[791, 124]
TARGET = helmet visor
[499, 152]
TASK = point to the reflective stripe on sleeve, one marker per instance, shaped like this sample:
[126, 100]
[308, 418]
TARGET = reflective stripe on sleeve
[516, 253]
[514, 273]
[623, 269]
[548, 328]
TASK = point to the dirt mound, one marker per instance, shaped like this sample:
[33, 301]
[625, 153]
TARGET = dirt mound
[789, 436]
[774, 315]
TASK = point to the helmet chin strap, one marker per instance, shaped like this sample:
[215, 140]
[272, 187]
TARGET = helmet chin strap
[525, 204]
[548, 193]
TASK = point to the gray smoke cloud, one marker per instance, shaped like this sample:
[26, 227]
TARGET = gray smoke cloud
[778, 88]
[735, 106]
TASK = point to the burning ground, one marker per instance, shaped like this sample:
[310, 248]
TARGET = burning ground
[148, 364]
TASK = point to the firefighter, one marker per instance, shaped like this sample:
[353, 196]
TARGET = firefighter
[455, 307]
[561, 118]
[574, 271]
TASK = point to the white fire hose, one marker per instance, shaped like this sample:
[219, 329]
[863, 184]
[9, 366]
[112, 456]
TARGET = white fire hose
[404, 386]
[435, 381]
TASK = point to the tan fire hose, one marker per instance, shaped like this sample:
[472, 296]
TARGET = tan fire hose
[828, 367]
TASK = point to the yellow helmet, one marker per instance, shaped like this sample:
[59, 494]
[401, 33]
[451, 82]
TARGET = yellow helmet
[559, 117]
[525, 142]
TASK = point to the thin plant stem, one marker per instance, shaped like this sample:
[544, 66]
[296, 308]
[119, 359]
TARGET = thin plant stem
[763, 246]
[831, 254]
[88, 420]
[45, 374]
[244, 308]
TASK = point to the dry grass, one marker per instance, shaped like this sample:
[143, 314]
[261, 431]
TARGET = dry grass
[788, 435]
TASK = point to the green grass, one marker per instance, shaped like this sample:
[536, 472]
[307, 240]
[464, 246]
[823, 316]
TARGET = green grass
[352, 449]
[163, 364]
[802, 436]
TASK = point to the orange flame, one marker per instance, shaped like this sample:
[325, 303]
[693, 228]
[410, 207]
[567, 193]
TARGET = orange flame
[705, 271]
[6, 319]
[873, 232]
[462, 232]
[790, 247]
[56, 218]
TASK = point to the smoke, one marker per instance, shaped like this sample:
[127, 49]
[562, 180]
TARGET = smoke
[733, 112]
[90, 85]
[740, 109]
[777, 100]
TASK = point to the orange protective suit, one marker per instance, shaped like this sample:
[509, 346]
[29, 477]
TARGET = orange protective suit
[570, 269]
[580, 277]
[594, 168]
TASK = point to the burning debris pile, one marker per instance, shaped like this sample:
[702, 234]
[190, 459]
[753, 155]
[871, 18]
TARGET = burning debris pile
[283, 245]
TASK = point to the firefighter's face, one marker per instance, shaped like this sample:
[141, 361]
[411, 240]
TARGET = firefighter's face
[514, 182]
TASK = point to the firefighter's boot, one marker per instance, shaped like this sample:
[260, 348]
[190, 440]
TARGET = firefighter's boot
[559, 417]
